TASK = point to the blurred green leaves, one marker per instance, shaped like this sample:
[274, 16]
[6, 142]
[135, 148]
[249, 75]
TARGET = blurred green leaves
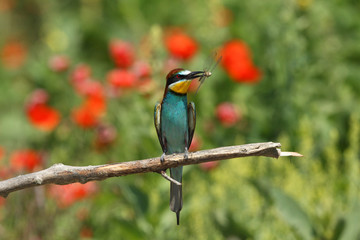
[351, 229]
[292, 213]
[308, 52]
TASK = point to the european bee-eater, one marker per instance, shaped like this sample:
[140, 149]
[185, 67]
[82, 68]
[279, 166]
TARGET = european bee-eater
[175, 120]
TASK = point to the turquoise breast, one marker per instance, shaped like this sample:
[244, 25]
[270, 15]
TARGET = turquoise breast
[174, 122]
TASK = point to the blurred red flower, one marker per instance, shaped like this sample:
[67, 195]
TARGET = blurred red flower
[195, 144]
[81, 73]
[208, 166]
[66, 195]
[38, 96]
[26, 160]
[121, 78]
[91, 88]
[43, 117]
[105, 136]
[227, 114]
[5, 172]
[95, 104]
[180, 45]
[141, 69]
[39, 114]
[13, 54]
[122, 53]
[84, 117]
[236, 60]
[59, 63]
[145, 85]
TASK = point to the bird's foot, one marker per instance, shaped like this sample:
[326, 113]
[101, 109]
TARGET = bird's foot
[186, 153]
[162, 158]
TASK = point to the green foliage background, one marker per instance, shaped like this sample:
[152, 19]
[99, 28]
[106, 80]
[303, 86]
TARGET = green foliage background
[307, 100]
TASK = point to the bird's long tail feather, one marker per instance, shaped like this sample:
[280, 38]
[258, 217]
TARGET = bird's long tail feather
[176, 192]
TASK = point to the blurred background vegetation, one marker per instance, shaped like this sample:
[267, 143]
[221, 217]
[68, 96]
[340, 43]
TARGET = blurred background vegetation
[78, 83]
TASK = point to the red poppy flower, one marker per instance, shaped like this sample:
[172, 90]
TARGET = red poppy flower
[208, 166]
[195, 144]
[39, 113]
[180, 45]
[84, 117]
[38, 96]
[236, 60]
[66, 195]
[59, 63]
[141, 69]
[90, 88]
[121, 78]
[81, 73]
[13, 54]
[95, 104]
[25, 160]
[5, 172]
[94, 89]
[43, 117]
[122, 53]
[105, 136]
[227, 114]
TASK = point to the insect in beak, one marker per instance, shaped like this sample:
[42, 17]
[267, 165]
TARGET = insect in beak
[207, 71]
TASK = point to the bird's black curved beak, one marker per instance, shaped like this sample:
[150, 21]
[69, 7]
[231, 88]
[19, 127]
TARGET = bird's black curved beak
[195, 74]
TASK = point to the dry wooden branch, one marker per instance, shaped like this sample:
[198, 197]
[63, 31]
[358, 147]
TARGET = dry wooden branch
[63, 174]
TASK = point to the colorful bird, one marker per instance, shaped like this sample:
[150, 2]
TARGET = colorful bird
[175, 120]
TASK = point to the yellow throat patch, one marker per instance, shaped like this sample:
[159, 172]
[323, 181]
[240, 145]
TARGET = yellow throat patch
[180, 87]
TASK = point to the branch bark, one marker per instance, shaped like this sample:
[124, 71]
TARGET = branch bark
[62, 174]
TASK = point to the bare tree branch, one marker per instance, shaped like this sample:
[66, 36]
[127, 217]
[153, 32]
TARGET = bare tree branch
[62, 174]
[170, 179]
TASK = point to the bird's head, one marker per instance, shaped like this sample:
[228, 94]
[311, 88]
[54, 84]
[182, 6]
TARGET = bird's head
[178, 80]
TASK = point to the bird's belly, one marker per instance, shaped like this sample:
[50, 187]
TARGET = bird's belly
[174, 126]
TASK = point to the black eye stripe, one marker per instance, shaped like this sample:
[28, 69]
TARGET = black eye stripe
[176, 75]
[176, 78]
